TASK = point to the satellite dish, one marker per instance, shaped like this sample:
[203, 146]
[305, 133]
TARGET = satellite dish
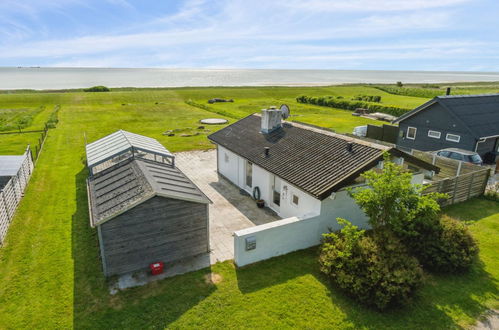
[285, 111]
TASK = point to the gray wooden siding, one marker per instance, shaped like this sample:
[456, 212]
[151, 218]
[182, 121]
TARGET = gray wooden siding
[435, 118]
[159, 229]
[486, 146]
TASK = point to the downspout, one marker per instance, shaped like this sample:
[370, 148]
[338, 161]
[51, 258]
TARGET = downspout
[481, 140]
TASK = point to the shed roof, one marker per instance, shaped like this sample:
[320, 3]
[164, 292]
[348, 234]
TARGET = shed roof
[480, 113]
[312, 159]
[121, 188]
[119, 142]
[10, 165]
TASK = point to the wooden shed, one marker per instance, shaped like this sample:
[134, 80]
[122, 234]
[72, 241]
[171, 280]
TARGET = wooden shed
[145, 212]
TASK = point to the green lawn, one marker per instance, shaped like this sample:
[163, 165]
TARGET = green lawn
[50, 271]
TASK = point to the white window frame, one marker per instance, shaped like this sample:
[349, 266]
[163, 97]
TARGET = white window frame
[447, 137]
[415, 132]
[293, 199]
[436, 134]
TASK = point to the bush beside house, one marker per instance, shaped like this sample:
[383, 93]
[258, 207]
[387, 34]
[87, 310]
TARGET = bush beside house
[373, 269]
[383, 266]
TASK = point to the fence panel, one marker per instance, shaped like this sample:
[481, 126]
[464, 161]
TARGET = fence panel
[462, 187]
[12, 193]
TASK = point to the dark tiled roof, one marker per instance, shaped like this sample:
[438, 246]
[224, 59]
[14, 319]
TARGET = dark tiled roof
[130, 183]
[313, 160]
[480, 113]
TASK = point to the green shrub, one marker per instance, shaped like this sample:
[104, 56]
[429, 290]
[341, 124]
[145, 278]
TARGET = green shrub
[54, 117]
[399, 84]
[339, 103]
[367, 98]
[493, 193]
[433, 86]
[97, 89]
[418, 92]
[373, 269]
[446, 247]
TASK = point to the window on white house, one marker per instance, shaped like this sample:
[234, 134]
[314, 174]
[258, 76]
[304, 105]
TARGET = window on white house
[434, 134]
[295, 199]
[452, 137]
[226, 158]
[411, 133]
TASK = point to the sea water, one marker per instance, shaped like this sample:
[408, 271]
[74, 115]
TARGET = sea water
[67, 78]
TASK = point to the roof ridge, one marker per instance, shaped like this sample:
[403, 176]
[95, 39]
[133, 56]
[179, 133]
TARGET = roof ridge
[324, 131]
[126, 138]
[465, 95]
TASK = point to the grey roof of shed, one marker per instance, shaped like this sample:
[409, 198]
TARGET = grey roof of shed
[120, 142]
[120, 188]
[480, 113]
[314, 160]
[10, 165]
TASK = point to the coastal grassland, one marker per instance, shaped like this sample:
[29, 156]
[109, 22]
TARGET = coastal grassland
[159, 110]
[50, 275]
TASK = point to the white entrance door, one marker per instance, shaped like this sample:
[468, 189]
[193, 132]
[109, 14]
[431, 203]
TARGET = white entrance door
[276, 193]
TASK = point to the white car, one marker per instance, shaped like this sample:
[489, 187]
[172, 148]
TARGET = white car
[360, 130]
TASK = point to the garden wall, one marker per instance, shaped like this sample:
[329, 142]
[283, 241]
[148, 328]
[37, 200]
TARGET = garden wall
[296, 233]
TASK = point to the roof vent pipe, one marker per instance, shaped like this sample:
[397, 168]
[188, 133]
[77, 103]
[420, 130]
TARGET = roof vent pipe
[266, 151]
[349, 146]
[447, 92]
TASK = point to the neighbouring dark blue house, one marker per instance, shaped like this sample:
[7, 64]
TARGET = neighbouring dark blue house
[469, 122]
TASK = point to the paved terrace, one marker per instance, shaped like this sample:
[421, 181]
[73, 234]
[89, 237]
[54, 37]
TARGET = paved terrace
[231, 211]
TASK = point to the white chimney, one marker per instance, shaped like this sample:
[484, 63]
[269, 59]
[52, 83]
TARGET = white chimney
[271, 119]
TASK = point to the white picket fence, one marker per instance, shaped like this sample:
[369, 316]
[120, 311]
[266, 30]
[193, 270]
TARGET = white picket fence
[11, 194]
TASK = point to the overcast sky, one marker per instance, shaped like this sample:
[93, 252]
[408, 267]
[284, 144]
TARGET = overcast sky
[289, 34]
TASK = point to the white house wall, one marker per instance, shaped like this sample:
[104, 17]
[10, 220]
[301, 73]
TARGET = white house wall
[235, 171]
[228, 165]
[306, 203]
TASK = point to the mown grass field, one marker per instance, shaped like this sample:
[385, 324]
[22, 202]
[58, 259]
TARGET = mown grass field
[50, 272]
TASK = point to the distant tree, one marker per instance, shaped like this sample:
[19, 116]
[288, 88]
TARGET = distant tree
[97, 89]
[399, 84]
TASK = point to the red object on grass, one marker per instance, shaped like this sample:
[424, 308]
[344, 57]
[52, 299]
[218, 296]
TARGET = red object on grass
[157, 268]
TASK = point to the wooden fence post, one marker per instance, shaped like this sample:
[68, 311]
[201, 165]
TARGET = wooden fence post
[471, 185]
[454, 190]
[458, 171]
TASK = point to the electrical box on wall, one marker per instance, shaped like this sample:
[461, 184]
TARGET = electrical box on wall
[250, 243]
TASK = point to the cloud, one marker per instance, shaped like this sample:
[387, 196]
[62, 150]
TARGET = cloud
[237, 33]
[369, 5]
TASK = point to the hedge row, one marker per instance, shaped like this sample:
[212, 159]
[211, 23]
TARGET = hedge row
[367, 98]
[418, 92]
[330, 101]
